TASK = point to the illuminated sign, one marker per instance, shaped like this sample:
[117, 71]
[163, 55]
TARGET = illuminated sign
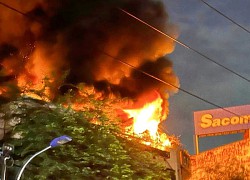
[219, 121]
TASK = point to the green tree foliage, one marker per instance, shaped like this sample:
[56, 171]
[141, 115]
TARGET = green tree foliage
[96, 151]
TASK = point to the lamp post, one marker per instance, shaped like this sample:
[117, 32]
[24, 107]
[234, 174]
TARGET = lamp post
[7, 150]
[55, 142]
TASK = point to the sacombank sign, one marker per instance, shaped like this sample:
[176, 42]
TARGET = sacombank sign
[219, 121]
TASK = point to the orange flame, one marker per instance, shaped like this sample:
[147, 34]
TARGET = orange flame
[146, 118]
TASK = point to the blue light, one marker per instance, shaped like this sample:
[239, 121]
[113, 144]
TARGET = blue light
[60, 140]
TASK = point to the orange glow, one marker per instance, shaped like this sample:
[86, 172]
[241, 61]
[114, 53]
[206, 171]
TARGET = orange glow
[30, 87]
[38, 72]
[147, 115]
[146, 118]
[3, 90]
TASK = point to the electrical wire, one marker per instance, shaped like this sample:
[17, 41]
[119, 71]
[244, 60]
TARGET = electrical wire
[230, 19]
[167, 83]
[185, 45]
[143, 72]
[157, 30]
[14, 9]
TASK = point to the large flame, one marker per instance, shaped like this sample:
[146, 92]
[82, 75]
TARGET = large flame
[86, 46]
[146, 119]
[51, 44]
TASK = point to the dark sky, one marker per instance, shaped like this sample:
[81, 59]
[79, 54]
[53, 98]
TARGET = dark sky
[211, 34]
[72, 35]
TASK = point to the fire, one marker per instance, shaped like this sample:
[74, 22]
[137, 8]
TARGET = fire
[146, 119]
[42, 56]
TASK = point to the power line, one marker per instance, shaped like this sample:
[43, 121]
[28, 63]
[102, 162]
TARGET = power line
[230, 19]
[150, 75]
[184, 45]
[166, 83]
[14, 9]
[152, 27]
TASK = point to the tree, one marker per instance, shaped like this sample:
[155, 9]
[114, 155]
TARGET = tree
[96, 152]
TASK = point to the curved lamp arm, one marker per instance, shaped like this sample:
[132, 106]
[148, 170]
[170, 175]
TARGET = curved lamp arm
[55, 142]
[21, 171]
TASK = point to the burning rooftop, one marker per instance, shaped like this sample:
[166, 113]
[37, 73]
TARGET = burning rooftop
[51, 44]
[143, 119]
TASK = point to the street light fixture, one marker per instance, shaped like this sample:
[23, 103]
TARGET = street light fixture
[7, 150]
[55, 142]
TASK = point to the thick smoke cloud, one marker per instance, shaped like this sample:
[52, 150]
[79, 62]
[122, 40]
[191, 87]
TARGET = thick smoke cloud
[75, 36]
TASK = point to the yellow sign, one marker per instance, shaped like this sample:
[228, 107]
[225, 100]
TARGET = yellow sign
[219, 121]
[207, 120]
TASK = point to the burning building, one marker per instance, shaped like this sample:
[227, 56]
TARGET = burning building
[47, 45]
[56, 46]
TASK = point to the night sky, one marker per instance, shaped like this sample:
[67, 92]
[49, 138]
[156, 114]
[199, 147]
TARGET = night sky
[85, 39]
[216, 37]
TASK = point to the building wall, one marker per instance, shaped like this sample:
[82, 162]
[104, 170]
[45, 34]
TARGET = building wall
[225, 162]
[179, 161]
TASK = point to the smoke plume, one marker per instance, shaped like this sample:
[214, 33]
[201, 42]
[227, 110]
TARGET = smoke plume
[43, 38]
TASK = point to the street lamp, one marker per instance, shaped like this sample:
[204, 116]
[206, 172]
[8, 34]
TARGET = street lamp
[7, 150]
[55, 142]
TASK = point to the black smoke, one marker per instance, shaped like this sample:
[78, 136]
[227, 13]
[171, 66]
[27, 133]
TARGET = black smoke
[75, 36]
